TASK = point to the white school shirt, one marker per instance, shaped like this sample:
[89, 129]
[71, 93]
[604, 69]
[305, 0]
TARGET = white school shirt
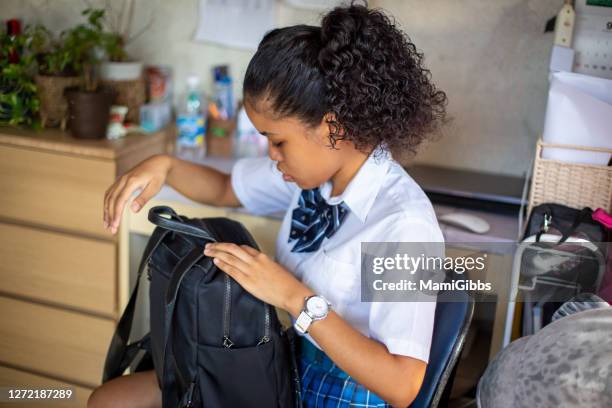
[386, 205]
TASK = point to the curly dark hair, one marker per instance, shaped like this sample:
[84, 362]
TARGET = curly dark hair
[357, 66]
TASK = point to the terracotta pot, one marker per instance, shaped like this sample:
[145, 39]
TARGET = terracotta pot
[89, 112]
[53, 104]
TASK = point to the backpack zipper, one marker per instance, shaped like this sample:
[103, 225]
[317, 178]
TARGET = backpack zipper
[547, 222]
[226, 315]
[189, 396]
[226, 312]
[227, 297]
[266, 336]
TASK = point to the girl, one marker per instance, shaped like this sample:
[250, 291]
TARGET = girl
[336, 103]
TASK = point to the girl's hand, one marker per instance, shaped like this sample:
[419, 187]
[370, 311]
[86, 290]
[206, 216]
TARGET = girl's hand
[149, 175]
[257, 273]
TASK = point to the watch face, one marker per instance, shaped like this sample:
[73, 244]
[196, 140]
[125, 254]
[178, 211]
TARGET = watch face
[317, 306]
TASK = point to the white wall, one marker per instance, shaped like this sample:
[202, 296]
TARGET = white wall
[490, 56]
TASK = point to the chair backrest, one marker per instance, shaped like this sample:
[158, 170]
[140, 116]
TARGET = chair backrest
[454, 312]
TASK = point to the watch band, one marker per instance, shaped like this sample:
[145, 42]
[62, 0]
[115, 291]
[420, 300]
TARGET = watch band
[305, 319]
[303, 322]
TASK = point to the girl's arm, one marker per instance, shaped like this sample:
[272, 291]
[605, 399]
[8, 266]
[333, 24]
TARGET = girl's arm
[201, 183]
[395, 378]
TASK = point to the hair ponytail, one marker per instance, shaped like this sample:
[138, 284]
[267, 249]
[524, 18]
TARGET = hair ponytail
[357, 66]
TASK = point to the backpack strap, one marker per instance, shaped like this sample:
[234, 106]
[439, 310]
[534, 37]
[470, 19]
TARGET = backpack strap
[176, 223]
[178, 274]
[132, 350]
[120, 354]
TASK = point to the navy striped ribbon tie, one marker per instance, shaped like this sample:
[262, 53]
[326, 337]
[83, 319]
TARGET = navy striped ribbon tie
[313, 220]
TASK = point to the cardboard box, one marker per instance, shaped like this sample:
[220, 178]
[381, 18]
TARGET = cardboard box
[220, 137]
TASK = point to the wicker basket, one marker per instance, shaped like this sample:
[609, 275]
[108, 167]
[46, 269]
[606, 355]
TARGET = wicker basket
[53, 104]
[130, 93]
[571, 184]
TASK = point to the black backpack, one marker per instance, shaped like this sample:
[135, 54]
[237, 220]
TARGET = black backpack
[212, 344]
[581, 269]
[564, 221]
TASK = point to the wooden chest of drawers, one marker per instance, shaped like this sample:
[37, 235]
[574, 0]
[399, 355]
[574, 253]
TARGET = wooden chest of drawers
[61, 290]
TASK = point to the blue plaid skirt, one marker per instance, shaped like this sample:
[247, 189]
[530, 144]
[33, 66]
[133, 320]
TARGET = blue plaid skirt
[325, 385]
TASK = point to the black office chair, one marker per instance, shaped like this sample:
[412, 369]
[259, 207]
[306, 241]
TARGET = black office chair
[454, 311]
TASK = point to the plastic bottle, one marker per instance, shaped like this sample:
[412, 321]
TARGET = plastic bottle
[191, 121]
[224, 94]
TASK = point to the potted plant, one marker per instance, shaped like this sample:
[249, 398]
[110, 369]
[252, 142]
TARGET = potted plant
[19, 102]
[119, 71]
[119, 66]
[57, 70]
[89, 104]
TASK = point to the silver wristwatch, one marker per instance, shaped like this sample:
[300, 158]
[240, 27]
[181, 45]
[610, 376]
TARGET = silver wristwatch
[316, 307]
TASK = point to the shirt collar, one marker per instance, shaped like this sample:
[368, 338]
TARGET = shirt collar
[363, 188]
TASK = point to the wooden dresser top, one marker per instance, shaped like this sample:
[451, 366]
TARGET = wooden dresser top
[55, 140]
